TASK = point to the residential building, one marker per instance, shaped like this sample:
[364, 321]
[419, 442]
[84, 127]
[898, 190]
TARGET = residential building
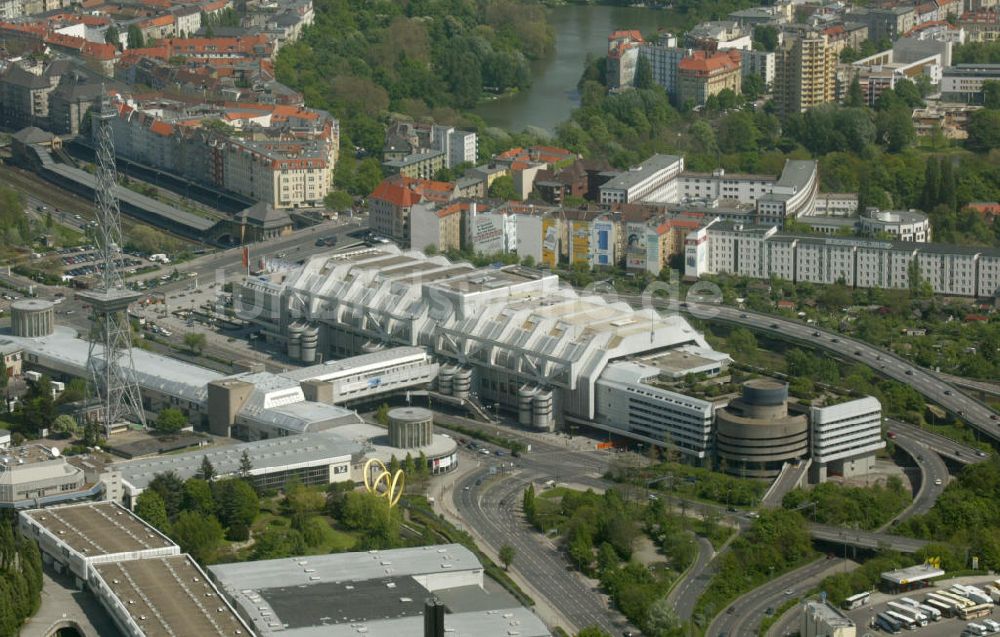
[804, 73]
[702, 75]
[391, 202]
[664, 55]
[622, 58]
[652, 180]
[24, 93]
[423, 164]
[437, 225]
[844, 438]
[981, 25]
[282, 174]
[719, 36]
[776, 14]
[760, 63]
[885, 23]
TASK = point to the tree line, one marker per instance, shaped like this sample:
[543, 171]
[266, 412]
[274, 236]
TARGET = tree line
[20, 576]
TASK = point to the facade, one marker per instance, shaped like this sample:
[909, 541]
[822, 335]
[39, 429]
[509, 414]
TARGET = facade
[887, 23]
[437, 225]
[664, 55]
[419, 165]
[24, 93]
[719, 36]
[391, 203]
[702, 75]
[845, 438]
[652, 180]
[900, 225]
[756, 435]
[33, 475]
[804, 73]
[964, 82]
[820, 619]
[760, 63]
[762, 252]
[623, 56]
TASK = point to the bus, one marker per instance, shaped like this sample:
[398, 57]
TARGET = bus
[886, 623]
[975, 612]
[905, 621]
[957, 599]
[909, 601]
[916, 616]
[945, 609]
[932, 613]
[856, 601]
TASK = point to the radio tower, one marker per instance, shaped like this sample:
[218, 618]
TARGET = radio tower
[109, 361]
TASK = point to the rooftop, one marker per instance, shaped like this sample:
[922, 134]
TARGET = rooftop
[265, 455]
[918, 573]
[830, 615]
[171, 596]
[99, 528]
[633, 176]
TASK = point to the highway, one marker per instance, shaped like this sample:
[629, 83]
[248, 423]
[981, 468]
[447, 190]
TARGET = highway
[933, 474]
[978, 415]
[945, 447]
[686, 593]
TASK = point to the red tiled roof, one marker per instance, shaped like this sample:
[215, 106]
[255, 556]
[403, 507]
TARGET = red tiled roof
[976, 318]
[100, 50]
[633, 35]
[161, 128]
[397, 191]
[989, 208]
[704, 62]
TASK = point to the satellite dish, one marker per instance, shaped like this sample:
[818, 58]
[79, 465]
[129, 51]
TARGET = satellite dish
[55, 452]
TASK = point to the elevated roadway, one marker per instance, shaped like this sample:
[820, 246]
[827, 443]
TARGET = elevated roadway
[945, 447]
[976, 414]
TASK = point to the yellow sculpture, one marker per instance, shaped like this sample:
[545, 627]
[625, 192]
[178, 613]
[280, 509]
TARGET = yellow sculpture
[379, 481]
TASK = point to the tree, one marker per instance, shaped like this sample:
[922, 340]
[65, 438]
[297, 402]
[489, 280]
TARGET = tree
[991, 94]
[134, 38]
[948, 195]
[507, 554]
[643, 73]
[753, 86]
[38, 409]
[198, 497]
[111, 36]
[338, 200]
[150, 507]
[931, 194]
[169, 486]
[896, 128]
[246, 465]
[199, 535]
[855, 98]
[592, 631]
[503, 188]
[382, 415]
[737, 133]
[65, 425]
[237, 506]
[195, 341]
[170, 420]
[984, 130]
[4, 378]
[206, 471]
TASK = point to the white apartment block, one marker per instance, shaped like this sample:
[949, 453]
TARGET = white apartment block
[761, 252]
[758, 63]
[719, 185]
[844, 438]
[654, 180]
[664, 56]
[282, 175]
[458, 146]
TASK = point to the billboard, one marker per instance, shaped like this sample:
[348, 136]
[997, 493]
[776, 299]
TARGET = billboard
[550, 242]
[602, 242]
[579, 243]
[487, 234]
[635, 246]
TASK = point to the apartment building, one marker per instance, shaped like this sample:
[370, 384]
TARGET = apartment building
[762, 252]
[981, 25]
[719, 35]
[423, 164]
[437, 225]
[885, 23]
[703, 74]
[284, 174]
[760, 63]
[805, 73]
[391, 203]
[664, 55]
[622, 58]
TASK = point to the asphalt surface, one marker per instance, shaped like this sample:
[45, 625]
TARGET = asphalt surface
[975, 413]
[945, 447]
[933, 473]
[685, 594]
[748, 610]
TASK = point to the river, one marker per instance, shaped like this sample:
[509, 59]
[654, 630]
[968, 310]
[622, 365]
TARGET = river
[579, 30]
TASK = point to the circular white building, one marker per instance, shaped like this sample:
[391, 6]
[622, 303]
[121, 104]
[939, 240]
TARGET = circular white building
[902, 225]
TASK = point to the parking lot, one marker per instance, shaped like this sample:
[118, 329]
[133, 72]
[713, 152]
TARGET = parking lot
[945, 627]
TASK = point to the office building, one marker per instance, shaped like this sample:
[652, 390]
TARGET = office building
[900, 225]
[804, 73]
[377, 593]
[844, 438]
[33, 475]
[964, 82]
[756, 435]
[820, 619]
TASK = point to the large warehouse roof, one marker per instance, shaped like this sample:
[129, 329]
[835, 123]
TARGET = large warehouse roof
[98, 528]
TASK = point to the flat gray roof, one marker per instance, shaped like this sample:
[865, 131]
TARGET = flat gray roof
[917, 573]
[98, 528]
[632, 176]
[353, 364]
[345, 567]
[266, 455]
[497, 623]
[171, 596]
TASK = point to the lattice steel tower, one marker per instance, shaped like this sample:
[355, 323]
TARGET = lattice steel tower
[109, 361]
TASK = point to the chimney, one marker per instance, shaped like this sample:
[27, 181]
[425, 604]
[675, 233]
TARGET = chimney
[433, 617]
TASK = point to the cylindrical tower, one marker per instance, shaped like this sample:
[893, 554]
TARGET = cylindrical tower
[310, 337]
[755, 434]
[541, 412]
[462, 384]
[446, 376]
[295, 340]
[525, 396]
[32, 318]
[410, 427]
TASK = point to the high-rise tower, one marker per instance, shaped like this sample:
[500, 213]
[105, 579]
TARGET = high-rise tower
[109, 361]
